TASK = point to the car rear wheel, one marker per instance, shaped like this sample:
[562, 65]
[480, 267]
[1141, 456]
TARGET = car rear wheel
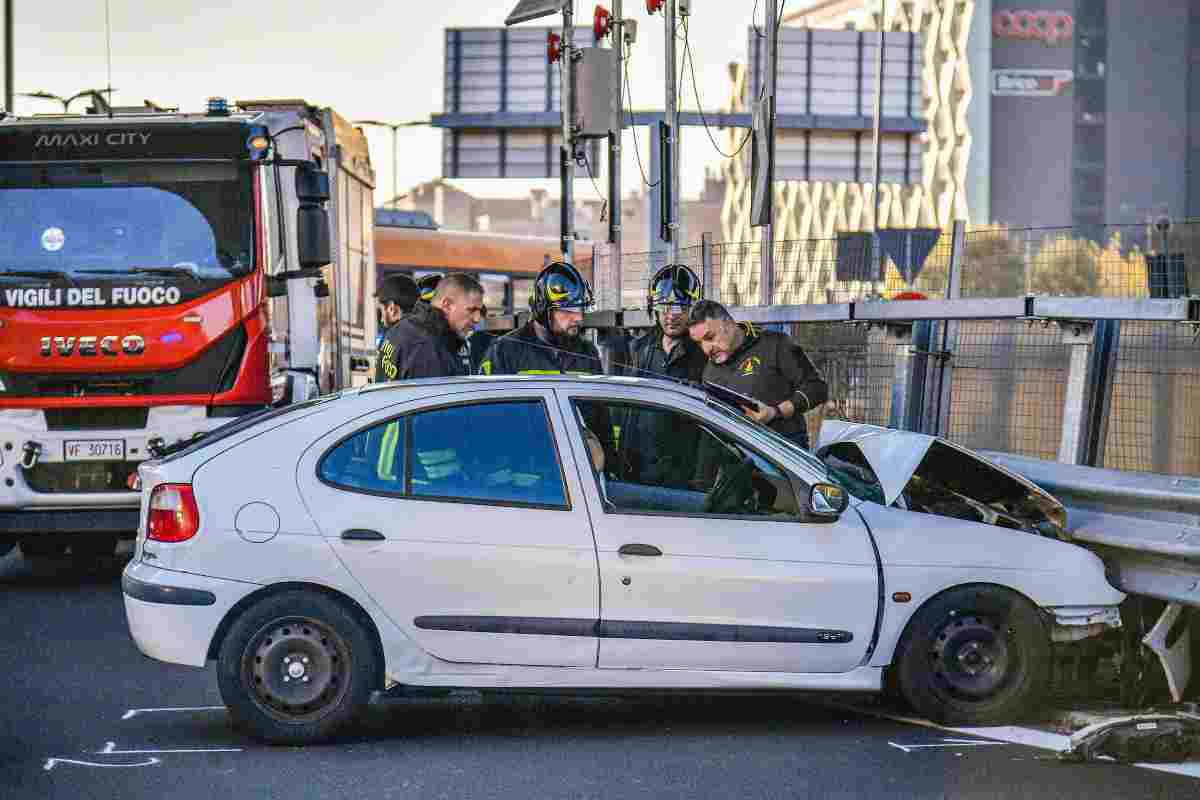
[297, 668]
[974, 656]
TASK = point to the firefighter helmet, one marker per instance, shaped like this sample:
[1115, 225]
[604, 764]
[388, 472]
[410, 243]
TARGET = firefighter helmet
[559, 285]
[428, 286]
[673, 285]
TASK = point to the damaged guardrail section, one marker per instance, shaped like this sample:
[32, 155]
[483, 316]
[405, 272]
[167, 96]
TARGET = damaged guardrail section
[1147, 529]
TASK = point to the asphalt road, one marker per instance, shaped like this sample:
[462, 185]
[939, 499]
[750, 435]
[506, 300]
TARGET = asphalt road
[85, 715]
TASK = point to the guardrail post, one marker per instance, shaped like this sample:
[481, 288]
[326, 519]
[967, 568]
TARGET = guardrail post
[1103, 372]
[939, 420]
[706, 265]
[918, 378]
[900, 338]
[1078, 336]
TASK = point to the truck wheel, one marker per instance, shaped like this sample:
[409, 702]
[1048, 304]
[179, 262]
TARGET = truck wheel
[974, 656]
[296, 668]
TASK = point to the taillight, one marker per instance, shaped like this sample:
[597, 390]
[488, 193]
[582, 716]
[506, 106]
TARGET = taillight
[174, 516]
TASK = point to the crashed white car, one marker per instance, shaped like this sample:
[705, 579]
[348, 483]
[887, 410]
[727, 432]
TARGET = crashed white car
[551, 532]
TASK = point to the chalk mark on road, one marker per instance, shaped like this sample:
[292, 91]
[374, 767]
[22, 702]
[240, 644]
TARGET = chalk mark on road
[133, 712]
[110, 750]
[51, 763]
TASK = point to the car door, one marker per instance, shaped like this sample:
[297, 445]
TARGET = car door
[462, 520]
[745, 585]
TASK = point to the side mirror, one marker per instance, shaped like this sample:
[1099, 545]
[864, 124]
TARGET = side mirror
[312, 185]
[827, 502]
[312, 236]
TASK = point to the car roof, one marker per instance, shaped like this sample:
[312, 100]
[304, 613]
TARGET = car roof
[428, 385]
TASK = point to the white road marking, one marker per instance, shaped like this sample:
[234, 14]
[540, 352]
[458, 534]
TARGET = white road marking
[51, 763]
[110, 750]
[133, 712]
[908, 748]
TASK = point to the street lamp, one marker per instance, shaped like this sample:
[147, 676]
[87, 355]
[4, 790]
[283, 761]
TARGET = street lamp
[97, 96]
[394, 127]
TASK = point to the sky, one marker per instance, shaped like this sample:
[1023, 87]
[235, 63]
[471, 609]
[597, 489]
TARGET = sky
[380, 60]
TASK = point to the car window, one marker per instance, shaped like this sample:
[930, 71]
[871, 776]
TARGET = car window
[495, 452]
[652, 459]
[370, 460]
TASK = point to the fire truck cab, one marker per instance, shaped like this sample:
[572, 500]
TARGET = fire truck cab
[162, 273]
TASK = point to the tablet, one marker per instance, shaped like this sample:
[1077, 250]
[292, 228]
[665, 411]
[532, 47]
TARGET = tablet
[730, 397]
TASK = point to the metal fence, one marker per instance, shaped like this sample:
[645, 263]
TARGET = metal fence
[1127, 261]
[1081, 346]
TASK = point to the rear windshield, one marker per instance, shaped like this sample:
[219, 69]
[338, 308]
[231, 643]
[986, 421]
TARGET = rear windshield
[242, 423]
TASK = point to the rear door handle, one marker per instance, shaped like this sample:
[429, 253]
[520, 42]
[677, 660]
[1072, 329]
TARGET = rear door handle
[639, 550]
[362, 535]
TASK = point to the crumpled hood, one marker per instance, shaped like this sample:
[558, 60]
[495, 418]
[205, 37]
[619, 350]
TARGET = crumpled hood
[893, 455]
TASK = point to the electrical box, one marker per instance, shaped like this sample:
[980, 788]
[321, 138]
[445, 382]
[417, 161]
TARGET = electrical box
[594, 113]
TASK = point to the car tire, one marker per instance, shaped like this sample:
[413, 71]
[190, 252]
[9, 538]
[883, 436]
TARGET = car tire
[297, 668]
[974, 656]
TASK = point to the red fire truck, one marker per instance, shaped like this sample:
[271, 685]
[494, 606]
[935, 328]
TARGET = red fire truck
[160, 274]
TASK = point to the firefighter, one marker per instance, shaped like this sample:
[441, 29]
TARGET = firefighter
[427, 341]
[651, 449]
[550, 343]
[475, 344]
[767, 366]
[395, 297]
[667, 350]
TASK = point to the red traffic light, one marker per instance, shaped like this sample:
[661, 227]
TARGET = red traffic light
[553, 47]
[653, 6]
[602, 23]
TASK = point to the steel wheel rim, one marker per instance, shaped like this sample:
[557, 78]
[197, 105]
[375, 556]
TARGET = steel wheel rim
[297, 669]
[972, 658]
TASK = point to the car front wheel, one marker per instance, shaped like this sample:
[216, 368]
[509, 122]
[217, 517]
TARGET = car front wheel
[297, 668]
[974, 656]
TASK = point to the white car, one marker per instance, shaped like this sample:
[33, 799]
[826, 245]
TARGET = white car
[551, 532]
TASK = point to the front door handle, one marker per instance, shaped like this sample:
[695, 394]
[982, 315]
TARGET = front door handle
[362, 535]
[639, 550]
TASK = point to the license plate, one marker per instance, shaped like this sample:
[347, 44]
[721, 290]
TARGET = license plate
[94, 450]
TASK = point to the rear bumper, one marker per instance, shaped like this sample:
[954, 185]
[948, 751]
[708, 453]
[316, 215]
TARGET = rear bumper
[116, 511]
[173, 616]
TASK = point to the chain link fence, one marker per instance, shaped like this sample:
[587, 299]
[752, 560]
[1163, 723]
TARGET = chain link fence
[1154, 412]
[1129, 261]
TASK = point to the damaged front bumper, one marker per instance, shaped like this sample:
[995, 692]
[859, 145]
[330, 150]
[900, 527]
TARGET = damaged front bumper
[1075, 623]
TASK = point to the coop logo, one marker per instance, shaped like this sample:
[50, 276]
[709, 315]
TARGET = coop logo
[1050, 27]
[1030, 82]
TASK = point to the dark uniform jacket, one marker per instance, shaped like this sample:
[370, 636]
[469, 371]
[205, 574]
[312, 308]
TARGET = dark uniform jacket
[685, 362]
[660, 449]
[771, 368]
[522, 352]
[421, 345]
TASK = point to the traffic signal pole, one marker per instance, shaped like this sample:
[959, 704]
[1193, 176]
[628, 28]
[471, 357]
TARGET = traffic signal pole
[567, 159]
[614, 149]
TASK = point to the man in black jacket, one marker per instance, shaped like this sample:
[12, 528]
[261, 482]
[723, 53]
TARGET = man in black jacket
[425, 343]
[550, 343]
[658, 449]
[767, 366]
[396, 296]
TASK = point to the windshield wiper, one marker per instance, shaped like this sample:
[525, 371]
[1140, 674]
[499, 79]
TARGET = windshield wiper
[37, 273]
[169, 272]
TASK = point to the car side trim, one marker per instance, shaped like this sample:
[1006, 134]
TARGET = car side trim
[167, 595]
[623, 629]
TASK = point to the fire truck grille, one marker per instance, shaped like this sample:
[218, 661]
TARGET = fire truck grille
[96, 419]
[80, 477]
